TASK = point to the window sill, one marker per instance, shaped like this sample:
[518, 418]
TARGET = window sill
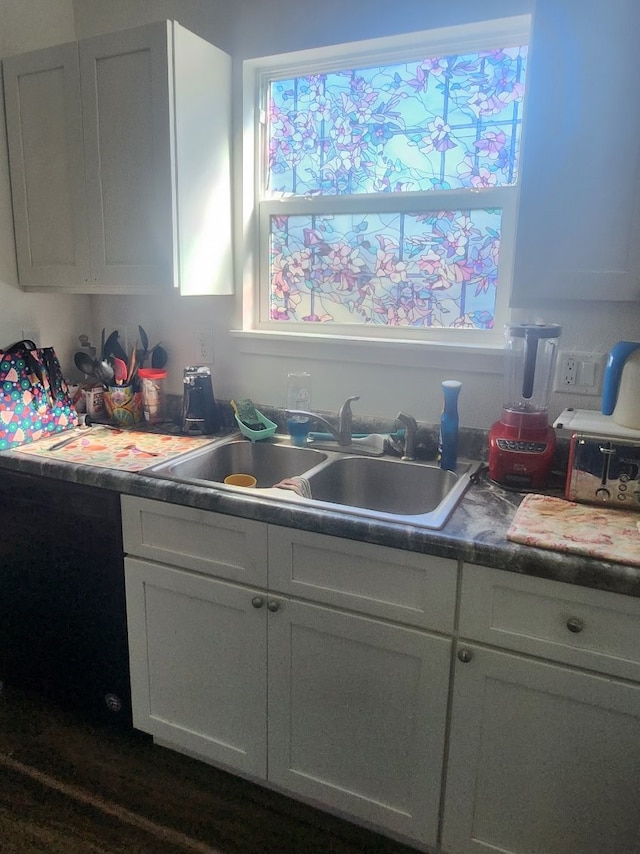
[435, 355]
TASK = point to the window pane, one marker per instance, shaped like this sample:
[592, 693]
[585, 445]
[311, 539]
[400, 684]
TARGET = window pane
[440, 123]
[434, 269]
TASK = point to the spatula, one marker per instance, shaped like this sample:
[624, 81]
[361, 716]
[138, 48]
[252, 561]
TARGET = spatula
[119, 370]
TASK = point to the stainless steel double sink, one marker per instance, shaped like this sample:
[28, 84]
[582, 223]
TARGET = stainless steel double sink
[380, 488]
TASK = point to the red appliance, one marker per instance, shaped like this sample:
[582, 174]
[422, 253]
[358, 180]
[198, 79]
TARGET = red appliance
[522, 442]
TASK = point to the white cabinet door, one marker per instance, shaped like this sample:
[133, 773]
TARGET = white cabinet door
[120, 163]
[543, 759]
[197, 649]
[357, 712]
[157, 120]
[127, 120]
[579, 217]
[44, 131]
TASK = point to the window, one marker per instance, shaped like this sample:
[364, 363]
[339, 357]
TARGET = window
[383, 181]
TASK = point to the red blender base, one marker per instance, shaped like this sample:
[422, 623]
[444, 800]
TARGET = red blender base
[521, 448]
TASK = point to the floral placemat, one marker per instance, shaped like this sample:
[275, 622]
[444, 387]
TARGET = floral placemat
[124, 450]
[601, 532]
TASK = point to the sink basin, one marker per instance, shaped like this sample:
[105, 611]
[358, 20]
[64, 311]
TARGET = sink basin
[268, 463]
[387, 486]
[378, 488]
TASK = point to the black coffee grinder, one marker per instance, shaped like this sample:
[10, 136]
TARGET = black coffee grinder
[200, 414]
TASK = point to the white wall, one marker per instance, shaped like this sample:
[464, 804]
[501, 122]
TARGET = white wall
[28, 25]
[248, 28]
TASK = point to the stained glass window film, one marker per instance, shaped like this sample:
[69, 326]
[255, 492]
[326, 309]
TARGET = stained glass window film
[441, 127]
[439, 123]
[437, 269]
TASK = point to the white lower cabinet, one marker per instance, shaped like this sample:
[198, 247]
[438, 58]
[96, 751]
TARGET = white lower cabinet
[543, 759]
[344, 709]
[544, 756]
[322, 667]
[357, 715]
[198, 650]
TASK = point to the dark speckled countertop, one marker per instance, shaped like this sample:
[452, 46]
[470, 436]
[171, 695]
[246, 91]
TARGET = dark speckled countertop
[475, 533]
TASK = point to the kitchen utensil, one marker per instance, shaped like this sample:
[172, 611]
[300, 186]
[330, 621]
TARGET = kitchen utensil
[85, 363]
[123, 405]
[521, 443]
[199, 408]
[144, 341]
[133, 366]
[621, 388]
[113, 347]
[104, 372]
[138, 450]
[159, 357]
[119, 370]
[64, 442]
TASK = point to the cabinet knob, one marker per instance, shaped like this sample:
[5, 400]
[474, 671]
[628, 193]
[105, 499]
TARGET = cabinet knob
[273, 605]
[465, 655]
[257, 601]
[575, 625]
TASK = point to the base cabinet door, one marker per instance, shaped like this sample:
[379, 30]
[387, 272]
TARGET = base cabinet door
[198, 664]
[357, 712]
[543, 759]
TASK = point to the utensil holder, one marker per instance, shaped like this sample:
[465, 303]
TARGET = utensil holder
[123, 405]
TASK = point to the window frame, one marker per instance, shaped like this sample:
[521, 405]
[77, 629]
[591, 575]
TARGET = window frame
[254, 245]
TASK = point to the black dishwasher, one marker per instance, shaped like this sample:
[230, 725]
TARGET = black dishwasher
[63, 627]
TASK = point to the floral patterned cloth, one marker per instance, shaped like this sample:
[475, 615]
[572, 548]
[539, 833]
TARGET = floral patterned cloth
[601, 532]
[124, 450]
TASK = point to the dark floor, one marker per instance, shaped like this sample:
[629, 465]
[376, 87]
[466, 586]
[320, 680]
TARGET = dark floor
[74, 788]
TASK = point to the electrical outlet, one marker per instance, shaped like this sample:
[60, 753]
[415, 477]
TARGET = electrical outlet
[204, 347]
[570, 371]
[580, 373]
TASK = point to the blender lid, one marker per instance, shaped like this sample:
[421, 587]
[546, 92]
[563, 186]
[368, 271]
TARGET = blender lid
[533, 330]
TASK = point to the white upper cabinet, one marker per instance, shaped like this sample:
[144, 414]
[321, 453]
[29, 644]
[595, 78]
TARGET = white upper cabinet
[579, 218]
[120, 163]
[44, 128]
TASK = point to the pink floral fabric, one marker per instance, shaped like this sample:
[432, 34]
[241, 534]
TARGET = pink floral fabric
[559, 525]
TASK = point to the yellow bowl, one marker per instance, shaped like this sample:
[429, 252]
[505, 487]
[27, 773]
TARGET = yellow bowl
[240, 480]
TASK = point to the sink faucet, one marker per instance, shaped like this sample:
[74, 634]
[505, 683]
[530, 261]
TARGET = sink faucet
[410, 430]
[341, 433]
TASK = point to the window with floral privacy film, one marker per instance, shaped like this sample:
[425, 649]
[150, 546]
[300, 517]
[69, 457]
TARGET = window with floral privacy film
[388, 181]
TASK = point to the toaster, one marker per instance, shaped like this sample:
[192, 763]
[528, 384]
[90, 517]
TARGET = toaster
[603, 470]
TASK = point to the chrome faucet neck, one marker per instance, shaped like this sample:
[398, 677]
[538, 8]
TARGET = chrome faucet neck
[341, 433]
[410, 431]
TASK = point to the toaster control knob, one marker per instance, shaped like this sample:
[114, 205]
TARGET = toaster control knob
[603, 494]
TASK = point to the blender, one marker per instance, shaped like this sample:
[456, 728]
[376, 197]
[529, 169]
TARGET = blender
[522, 442]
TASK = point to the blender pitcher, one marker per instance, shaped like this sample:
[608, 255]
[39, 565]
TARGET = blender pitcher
[521, 443]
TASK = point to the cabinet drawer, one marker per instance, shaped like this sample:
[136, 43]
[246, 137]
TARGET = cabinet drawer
[225, 546]
[411, 588]
[576, 625]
